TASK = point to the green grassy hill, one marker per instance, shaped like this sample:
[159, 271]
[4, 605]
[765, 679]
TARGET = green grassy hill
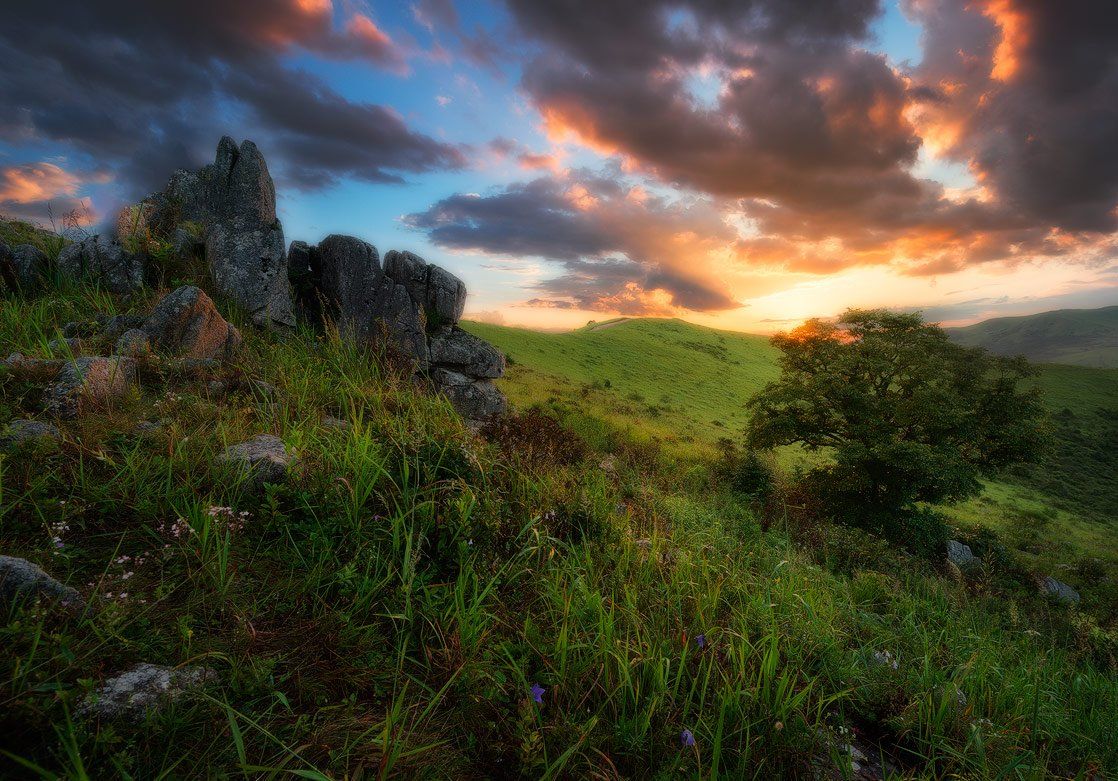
[684, 384]
[570, 596]
[1083, 337]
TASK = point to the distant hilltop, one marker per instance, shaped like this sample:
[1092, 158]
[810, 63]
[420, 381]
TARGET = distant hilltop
[1080, 337]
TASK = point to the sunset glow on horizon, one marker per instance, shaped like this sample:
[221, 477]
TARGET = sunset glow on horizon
[742, 166]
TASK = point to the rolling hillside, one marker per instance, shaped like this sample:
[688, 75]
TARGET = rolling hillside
[685, 386]
[1082, 337]
[683, 383]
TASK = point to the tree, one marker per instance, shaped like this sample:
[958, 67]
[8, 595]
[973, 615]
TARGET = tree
[905, 415]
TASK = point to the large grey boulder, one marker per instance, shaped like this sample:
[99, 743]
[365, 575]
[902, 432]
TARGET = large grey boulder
[186, 324]
[342, 279]
[461, 351]
[442, 295]
[249, 266]
[263, 459]
[1061, 592]
[23, 267]
[144, 689]
[234, 199]
[20, 579]
[347, 276]
[21, 432]
[89, 382]
[474, 399]
[105, 261]
[961, 555]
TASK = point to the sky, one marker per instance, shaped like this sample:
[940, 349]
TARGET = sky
[741, 164]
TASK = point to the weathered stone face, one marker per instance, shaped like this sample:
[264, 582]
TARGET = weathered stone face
[442, 295]
[185, 323]
[23, 267]
[263, 459]
[89, 383]
[346, 273]
[143, 689]
[1062, 592]
[20, 579]
[234, 198]
[249, 266]
[133, 343]
[467, 354]
[104, 261]
[21, 432]
[474, 399]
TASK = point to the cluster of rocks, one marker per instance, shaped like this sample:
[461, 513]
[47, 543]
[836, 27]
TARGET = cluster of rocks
[185, 324]
[408, 303]
[227, 211]
[405, 302]
[961, 556]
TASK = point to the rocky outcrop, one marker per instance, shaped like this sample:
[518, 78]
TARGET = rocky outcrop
[234, 199]
[262, 459]
[20, 579]
[18, 433]
[143, 689]
[89, 382]
[407, 303]
[105, 261]
[1059, 591]
[961, 555]
[186, 324]
[23, 267]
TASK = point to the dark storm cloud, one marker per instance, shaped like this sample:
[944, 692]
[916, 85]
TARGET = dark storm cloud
[619, 248]
[151, 87]
[1033, 103]
[813, 136]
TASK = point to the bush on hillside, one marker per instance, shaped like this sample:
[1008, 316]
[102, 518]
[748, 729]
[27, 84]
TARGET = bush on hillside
[905, 416]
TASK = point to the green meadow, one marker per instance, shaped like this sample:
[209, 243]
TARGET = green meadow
[575, 593]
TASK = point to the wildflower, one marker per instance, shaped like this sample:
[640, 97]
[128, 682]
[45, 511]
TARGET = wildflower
[701, 641]
[537, 693]
[686, 738]
[778, 726]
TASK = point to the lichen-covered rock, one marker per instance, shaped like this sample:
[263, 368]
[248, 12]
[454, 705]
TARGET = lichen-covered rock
[17, 433]
[20, 579]
[113, 327]
[89, 382]
[234, 199]
[346, 274]
[142, 690]
[249, 266]
[461, 351]
[474, 399]
[67, 345]
[185, 244]
[263, 459]
[1060, 591]
[33, 369]
[23, 267]
[446, 296]
[105, 261]
[961, 555]
[441, 294]
[134, 343]
[186, 324]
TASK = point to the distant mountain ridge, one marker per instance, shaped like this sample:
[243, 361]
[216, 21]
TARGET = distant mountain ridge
[1079, 337]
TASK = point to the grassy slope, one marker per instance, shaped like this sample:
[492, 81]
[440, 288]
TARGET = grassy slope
[681, 383]
[1058, 516]
[1085, 337]
[384, 613]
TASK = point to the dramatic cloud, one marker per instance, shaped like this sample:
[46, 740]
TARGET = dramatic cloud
[815, 139]
[33, 190]
[621, 249]
[150, 87]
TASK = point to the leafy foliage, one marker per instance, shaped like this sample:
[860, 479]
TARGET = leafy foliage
[904, 415]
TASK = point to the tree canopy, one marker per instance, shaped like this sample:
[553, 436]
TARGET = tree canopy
[905, 415]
